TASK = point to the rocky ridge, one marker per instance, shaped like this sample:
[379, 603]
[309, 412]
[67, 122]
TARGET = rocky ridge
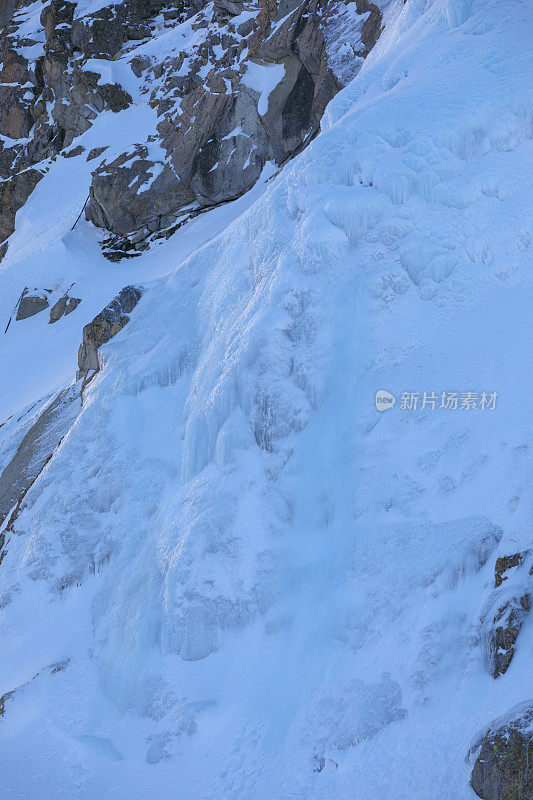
[234, 85]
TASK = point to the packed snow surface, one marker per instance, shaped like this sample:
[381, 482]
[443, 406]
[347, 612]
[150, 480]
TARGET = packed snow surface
[263, 78]
[237, 579]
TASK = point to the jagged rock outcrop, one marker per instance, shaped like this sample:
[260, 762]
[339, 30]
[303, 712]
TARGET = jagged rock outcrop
[103, 327]
[63, 307]
[30, 305]
[504, 767]
[507, 610]
[250, 86]
[506, 626]
[42, 437]
[103, 33]
[46, 97]
[506, 563]
[253, 92]
[14, 192]
[34, 300]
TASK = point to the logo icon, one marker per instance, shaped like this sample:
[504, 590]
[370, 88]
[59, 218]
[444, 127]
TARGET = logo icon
[384, 400]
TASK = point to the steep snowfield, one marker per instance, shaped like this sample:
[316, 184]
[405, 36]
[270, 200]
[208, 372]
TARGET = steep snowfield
[256, 585]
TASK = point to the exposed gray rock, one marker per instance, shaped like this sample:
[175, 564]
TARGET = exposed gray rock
[58, 309]
[506, 625]
[103, 33]
[35, 450]
[76, 151]
[72, 303]
[230, 162]
[228, 8]
[63, 307]
[16, 121]
[103, 327]
[506, 563]
[125, 195]
[95, 152]
[504, 767]
[373, 25]
[215, 132]
[219, 136]
[31, 305]
[56, 19]
[507, 610]
[115, 96]
[139, 64]
[13, 194]
[48, 101]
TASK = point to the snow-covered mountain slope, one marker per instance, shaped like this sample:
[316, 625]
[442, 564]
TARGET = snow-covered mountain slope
[236, 578]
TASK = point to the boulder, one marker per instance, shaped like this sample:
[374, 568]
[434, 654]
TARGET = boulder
[504, 767]
[115, 97]
[63, 307]
[134, 191]
[31, 305]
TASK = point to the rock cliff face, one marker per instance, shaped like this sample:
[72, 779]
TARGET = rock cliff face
[252, 88]
[233, 84]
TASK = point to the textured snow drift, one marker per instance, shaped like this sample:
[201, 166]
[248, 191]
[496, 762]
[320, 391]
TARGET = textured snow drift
[255, 585]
